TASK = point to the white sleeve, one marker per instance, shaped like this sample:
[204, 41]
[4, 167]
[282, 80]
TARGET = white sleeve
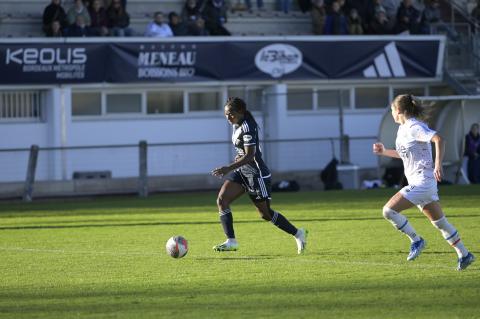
[422, 133]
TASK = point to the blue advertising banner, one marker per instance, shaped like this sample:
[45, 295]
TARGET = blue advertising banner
[233, 60]
[43, 63]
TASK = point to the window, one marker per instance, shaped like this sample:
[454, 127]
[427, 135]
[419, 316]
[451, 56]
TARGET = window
[25, 105]
[251, 95]
[86, 103]
[204, 101]
[333, 98]
[375, 97]
[441, 90]
[164, 102]
[300, 99]
[124, 103]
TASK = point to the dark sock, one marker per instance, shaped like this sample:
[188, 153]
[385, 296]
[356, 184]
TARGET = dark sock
[281, 222]
[226, 219]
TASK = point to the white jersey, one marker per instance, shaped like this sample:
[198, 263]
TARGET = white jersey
[413, 146]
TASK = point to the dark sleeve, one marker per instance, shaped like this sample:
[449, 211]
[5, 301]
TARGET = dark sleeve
[467, 146]
[249, 137]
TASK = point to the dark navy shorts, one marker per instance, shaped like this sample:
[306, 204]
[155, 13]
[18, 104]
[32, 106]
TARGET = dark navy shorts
[258, 188]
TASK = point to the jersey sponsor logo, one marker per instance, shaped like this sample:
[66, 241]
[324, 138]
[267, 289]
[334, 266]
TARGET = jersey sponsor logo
[247, 138]
[278, 59]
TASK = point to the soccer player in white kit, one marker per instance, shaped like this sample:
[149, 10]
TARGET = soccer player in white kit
[413, 147]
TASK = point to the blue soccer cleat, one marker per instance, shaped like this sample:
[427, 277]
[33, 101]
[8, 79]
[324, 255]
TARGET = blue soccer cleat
[464, 262]
[416, 249]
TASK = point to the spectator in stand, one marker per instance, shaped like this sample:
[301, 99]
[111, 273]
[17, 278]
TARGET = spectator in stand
[109, 2]
[118, 20]
[158, 28]
[192, 17]
[364, 9]
[179, 28]
[54, 12]
[198, 28]
[79, 28]
[344, 7]
[430, 15]
[373, 8]
[215, 14]
[380, 25]
[98, 16]
[78, 9]
[391, 8]
[354, 23]
[408, 18]
[318, 16]
[191, 11]
[335, 22]
[55, 30]
[472, 151]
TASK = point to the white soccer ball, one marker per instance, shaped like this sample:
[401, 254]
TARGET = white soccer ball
[177, 246]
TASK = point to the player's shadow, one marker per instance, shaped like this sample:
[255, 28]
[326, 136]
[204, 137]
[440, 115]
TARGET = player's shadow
[256, 257]
[110, 223]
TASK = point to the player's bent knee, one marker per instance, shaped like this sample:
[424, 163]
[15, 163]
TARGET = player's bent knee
[222, 203]
[388, 213]
[265, 215]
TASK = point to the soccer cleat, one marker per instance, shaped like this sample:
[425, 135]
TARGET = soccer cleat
[301, 240]
[464, 262]
[416, 248]
[226, 246]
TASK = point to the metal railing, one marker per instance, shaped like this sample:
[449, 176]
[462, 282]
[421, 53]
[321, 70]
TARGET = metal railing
[462, 60]
[143, 160]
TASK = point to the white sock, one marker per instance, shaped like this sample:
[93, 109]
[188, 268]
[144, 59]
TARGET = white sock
[401, 223]
[298, 233]
[451, 235]
[231, 241]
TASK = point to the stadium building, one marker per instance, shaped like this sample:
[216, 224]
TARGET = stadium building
[104, 111]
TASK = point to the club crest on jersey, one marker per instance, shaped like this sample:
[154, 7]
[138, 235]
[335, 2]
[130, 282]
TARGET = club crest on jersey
[247, 138]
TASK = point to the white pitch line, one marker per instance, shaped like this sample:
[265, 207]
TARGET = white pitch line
[294, 259]
[62, 251]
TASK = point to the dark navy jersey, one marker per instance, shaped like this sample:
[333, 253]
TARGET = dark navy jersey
[246, 134]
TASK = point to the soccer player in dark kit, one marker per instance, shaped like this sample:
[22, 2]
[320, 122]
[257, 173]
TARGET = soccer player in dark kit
[248, 173]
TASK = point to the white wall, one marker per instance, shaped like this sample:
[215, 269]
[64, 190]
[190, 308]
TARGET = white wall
[60, 129]
[316, 154]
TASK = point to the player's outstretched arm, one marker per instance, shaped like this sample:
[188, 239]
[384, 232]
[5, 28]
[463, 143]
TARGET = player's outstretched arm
[439, 153]
[239, 161]
[379, 149]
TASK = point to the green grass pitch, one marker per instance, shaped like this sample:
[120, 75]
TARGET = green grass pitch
[105, 258]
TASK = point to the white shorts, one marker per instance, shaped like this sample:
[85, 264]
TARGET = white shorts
[420, 195]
